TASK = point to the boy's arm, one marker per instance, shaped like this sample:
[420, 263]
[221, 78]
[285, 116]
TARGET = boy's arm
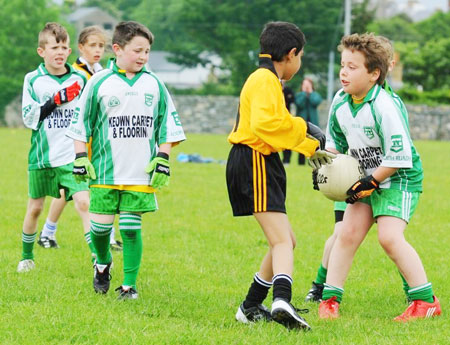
[273, 124]
[31, 108]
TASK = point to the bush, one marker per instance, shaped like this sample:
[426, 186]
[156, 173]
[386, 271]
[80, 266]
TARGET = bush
[410, 94]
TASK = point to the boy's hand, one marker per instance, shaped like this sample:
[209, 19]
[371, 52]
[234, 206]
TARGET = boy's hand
[67, 94]
[161, 170]
[362, 188]
[82, 168]
[321, 157]
[317, 134]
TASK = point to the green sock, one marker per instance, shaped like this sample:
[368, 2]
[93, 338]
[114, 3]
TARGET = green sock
[405, 286]
[321, 275]
[330, 291]
[27, 245]
[87, 237]
[130, 228]
[422, 292]
[100, 239]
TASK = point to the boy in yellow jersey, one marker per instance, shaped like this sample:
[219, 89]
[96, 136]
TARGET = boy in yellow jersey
[256, 178]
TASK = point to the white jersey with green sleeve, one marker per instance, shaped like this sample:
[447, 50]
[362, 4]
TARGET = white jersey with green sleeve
[376, 132]
[50, 147]
[128, 119]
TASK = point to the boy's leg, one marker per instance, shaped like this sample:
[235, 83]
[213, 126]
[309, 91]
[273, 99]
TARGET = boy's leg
[81, 201]
[355, 226]
[281, 238]
[130, 225]
[391, 238]
[287, 156]
[315, 293]
[101, 225]
[34, 209]
[252, 309]
[47, 237]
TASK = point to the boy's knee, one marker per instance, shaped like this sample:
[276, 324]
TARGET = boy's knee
[35, 209]
[347, 237]
[387, 242]
[82, 205]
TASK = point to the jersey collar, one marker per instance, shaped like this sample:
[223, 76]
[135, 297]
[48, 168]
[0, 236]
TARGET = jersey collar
[265, 61]
[66, 76]
[371, 95]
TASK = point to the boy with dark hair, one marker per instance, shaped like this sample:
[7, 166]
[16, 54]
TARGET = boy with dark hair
[372, 126]
[47, 108]
[133, 123]
[256, 178]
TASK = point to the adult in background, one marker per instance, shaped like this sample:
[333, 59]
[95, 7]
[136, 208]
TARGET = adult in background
[307, 102]
[289, 99]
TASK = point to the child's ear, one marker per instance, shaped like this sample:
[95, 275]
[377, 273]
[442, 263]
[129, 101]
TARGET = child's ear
[40, 52]
[292, 53]
[375, 75]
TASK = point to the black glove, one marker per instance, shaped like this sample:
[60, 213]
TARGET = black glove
[317, 133]
[314, 178]
[362, 188]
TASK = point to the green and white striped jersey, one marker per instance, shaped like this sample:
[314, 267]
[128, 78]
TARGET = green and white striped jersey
[376, 132]
[49, 145]
[127, 119]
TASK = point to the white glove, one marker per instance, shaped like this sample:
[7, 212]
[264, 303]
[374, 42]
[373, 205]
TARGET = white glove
[321, 157]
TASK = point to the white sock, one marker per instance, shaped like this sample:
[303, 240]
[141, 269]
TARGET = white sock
[111, 238]
[49, 228]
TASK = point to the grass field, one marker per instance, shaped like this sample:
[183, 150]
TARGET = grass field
[199, 261]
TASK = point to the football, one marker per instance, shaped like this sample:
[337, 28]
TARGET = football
[336, 178]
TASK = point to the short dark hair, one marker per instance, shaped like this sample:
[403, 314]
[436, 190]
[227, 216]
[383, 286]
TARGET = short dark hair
[126, 31]
[52, 29]
[278, 38]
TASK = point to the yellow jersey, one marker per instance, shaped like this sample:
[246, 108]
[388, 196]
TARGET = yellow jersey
[263, 121]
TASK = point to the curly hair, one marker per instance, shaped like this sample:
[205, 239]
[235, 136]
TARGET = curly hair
[378, 54]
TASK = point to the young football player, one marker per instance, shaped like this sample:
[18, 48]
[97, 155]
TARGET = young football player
[133, 123]
[91, 44]
[372, 126]
[48, 104]
[315, 293]
[256, 178]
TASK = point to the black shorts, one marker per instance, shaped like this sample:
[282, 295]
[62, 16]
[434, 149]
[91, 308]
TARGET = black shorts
[256, 182]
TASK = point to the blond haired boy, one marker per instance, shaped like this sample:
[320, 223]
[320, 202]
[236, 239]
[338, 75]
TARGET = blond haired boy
[368, 123]
[48, 103]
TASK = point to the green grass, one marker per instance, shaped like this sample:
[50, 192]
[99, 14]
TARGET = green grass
[199, 261]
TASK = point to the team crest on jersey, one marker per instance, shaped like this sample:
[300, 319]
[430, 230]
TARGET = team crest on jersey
[368, 131]
[397, 143]
[148, 99]
[113, 102]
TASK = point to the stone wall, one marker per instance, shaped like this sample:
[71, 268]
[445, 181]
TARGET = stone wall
[216, 114]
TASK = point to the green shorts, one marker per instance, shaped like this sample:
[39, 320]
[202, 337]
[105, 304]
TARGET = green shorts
[48, 182]
[112, 201]
[392, 202]
[340, 206]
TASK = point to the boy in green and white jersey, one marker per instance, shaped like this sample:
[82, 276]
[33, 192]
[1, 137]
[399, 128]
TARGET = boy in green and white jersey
[48, 104]
[372, 126]
[133, 123]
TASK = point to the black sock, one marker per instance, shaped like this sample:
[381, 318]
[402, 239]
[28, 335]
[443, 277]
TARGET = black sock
[282, 287]
[257, 293]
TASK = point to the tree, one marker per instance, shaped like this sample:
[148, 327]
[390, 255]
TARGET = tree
[19, 40]
[230, 29]
[362, 16]
[398, 28]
